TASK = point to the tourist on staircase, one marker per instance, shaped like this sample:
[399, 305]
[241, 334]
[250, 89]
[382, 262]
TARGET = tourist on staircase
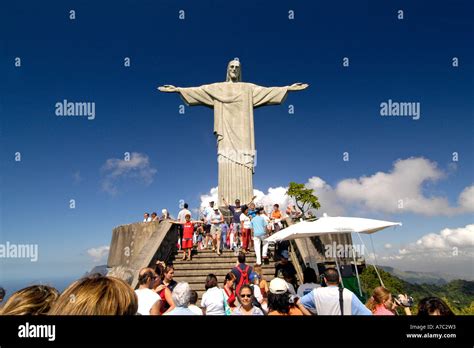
[236, 211]
[225, 234]
[149, 302]
[332, 299]
[182, 218]
[162, 286]
[259, 229]
[242, 272]
[246, 300]
[217, 218]
[192, 303]
[181, 297]
[279, 299]
[263, 284]
[207, 214]
[187, 235]
[246, 227]
[286, 268]
[257, 294]
[310, 282]
[146, 217]
[213, 300]
[229, 283]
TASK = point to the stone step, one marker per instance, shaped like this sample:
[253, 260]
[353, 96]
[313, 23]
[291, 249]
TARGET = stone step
[217, 272]
[193, 265]
[178, 261]
[209, 253]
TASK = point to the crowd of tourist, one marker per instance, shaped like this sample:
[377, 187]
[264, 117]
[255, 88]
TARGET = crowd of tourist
[243, 292]
[244, 229]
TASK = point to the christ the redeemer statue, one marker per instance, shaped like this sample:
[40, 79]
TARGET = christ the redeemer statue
[233, 102]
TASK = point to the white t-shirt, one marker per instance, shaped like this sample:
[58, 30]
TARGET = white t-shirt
[195, 309]
[245, 221]
[216, 216]
[306, 288]
[146, 299]
[208, 211]
[182, 215]
[257, 293]
[213, 301]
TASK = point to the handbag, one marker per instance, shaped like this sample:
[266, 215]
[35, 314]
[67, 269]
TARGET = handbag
[227, 309]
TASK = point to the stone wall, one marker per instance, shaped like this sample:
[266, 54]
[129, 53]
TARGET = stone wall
[139, 245]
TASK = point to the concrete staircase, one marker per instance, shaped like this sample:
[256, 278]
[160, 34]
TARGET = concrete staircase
[206, 261]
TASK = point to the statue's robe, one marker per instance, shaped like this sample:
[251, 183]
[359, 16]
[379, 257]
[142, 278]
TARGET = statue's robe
[233, 104]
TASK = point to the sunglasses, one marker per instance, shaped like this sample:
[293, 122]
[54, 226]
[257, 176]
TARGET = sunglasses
[246, 295]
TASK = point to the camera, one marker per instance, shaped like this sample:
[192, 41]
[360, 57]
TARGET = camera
[402, 300]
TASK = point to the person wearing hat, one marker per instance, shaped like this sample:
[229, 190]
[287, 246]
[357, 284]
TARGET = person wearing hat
[279, 299]
[216, 220]
[207, 213]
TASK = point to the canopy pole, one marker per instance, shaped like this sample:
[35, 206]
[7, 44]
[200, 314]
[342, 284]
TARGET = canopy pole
[311, 258]
[373, 252]
[357, 271]
[337, 263]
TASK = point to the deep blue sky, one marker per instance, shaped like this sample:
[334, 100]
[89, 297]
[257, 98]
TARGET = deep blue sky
[82, 60]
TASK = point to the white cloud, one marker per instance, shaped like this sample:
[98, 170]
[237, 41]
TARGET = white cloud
[448, 238]
[274, 195]
[327, 196]
[208, 197]
[466, 199]
[401, 190]
[379, 193]
[137, 167]
[388, 246]
[98, 253]
[448, 243]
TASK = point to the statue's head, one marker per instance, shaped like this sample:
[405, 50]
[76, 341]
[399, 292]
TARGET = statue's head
[234, 72]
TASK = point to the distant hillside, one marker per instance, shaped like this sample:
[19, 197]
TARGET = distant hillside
[436, 278]
[459, 294]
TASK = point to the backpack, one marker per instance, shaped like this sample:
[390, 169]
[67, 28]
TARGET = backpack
[244, 278]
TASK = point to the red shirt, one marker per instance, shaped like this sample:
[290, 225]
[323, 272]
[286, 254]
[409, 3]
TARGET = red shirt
[188, 230]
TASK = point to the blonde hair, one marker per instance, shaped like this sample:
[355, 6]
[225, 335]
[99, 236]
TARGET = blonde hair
[258, 269]
[379, 296]
[32, 300]
[97, 295]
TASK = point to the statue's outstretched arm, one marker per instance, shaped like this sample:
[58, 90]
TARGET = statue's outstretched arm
[168, 88]
[298, 86]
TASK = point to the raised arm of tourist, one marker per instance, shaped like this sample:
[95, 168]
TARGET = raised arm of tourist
[251, 200]
[225, 202]
[183, 222]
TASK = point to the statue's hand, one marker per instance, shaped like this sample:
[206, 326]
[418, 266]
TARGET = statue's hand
[168, 88]
[298, 86]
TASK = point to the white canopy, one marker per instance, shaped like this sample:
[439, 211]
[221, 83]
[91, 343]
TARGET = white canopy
[331, 225]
